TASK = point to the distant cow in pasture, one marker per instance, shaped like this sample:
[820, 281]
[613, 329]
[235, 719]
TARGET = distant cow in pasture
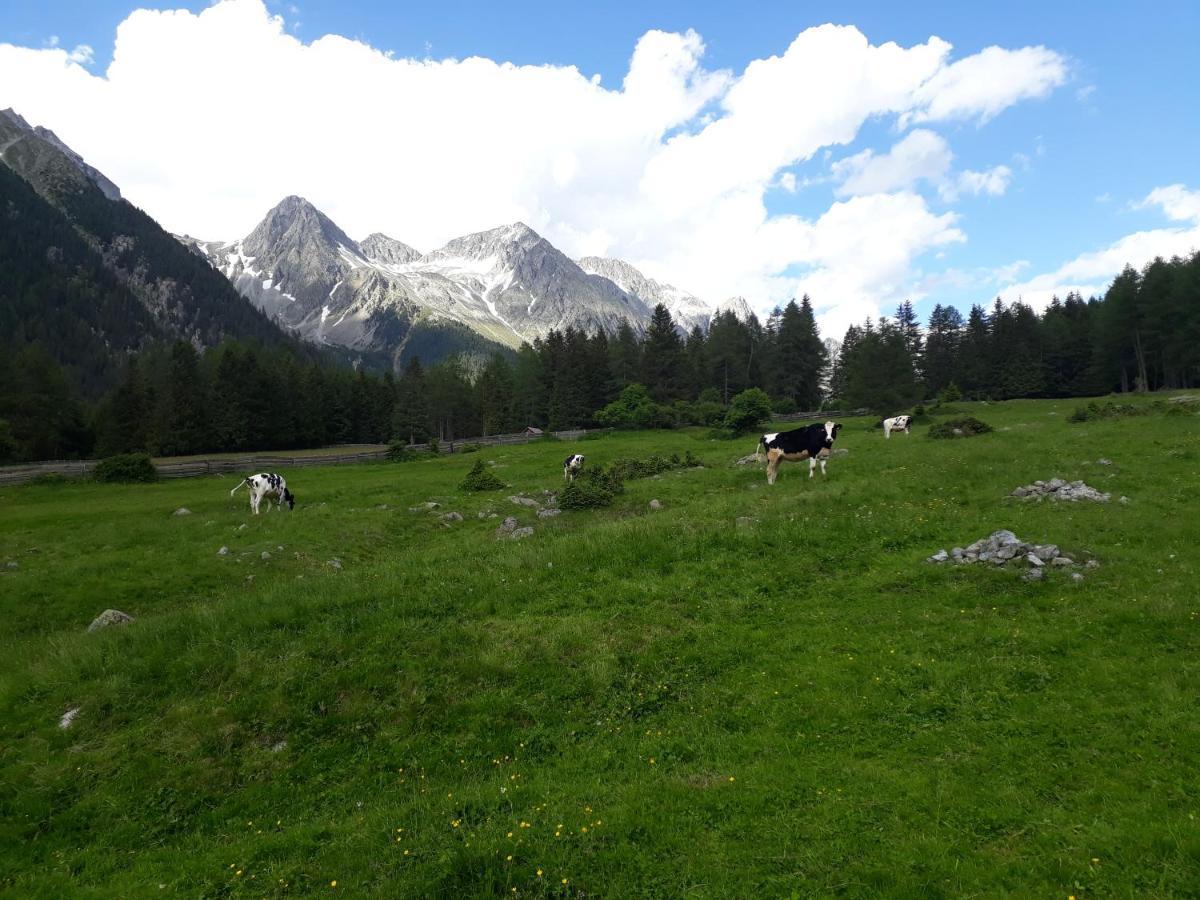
[268, 486]
[896, 423]
[572, 466]
[812, 442]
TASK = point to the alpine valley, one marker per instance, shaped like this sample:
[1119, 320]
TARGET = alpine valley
[375, 301]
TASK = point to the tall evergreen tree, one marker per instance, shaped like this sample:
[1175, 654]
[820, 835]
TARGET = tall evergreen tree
[662, 357]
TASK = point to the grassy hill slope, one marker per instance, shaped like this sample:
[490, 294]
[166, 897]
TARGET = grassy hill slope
[629, 702]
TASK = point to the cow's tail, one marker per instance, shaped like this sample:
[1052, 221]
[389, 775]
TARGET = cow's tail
[758, 448]
[244, 481]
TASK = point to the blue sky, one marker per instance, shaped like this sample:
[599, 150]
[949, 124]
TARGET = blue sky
[1082, 155]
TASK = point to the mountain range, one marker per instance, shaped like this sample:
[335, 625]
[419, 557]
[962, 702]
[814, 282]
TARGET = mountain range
[297, 274]
[379, 295]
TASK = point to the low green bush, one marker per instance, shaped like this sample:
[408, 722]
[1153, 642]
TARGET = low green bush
[1108, 410]
[480, 479]
[967, 426]
[748, 410]
[399, 451]
[126, 468]
[592, 488]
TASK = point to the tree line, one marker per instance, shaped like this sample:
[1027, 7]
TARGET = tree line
[1144, 334]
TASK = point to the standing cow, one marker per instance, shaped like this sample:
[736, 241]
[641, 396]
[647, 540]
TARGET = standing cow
[813, 442]
[268, 486]
[896, 423]
[572, 466]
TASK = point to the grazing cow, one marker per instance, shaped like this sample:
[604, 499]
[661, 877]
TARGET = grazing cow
[572, 466]
[268, 486]
[896, 423]
[812, 442]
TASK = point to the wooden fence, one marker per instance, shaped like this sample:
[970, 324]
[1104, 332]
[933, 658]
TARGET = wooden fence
[266, 463]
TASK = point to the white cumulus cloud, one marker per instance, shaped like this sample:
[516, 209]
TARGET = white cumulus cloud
[208, 119]
[1090, 273]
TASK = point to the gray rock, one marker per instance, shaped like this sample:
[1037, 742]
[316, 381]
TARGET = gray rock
[1062, 561]
[748, 460]
[745, 521]
[520, 533]
[656, 504]
[12, 564]
[182, 511]
[68, 717]
[1092, 564]
[1124, 500]
[1045, 552]
[549, 513]
[956, 552]
[265, 555]
[1007, 552]
[279, 746]
[1034, 560]
[506, 527]
[1034, 575]
[1076, 577]
[450, 517]
[382, 506]
[525, 501]
[241, 527]
[424, 507]
[334, 563]
[110, 617]
[939, 557]
[1103, 462]
[224, 551]
[840, 451]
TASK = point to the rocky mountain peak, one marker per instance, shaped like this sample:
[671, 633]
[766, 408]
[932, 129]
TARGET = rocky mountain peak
[41, 158]
[378, 247]
[736, 305]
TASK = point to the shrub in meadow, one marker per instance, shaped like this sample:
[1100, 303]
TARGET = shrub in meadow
[126, 468]
[480, 479]
[967, 426]
[592, 488]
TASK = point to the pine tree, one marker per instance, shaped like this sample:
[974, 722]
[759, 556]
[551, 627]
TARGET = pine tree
[662, 358]
[410, 421]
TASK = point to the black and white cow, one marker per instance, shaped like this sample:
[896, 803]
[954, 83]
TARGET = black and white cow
[572, 466]
[269, 486]
[812, 442]
[896, 423]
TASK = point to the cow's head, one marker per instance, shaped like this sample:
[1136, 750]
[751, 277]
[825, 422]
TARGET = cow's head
[289, 498]
[831, 430]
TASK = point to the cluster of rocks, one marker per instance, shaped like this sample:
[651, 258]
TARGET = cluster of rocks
[1003, 548]
[1058, 489]
[510, 529]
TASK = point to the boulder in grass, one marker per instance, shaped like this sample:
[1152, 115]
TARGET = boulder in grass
[109, 618]
[182, 511]
[521, 533]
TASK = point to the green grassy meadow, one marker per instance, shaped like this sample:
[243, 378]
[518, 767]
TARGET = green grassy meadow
[629, 703]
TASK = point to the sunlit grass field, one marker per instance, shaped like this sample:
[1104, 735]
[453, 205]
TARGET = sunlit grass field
[629, 703]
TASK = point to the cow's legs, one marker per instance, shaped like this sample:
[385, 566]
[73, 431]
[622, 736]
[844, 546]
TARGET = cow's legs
[812, 466]
[887, 432]
[773, 458]
[822, 468]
